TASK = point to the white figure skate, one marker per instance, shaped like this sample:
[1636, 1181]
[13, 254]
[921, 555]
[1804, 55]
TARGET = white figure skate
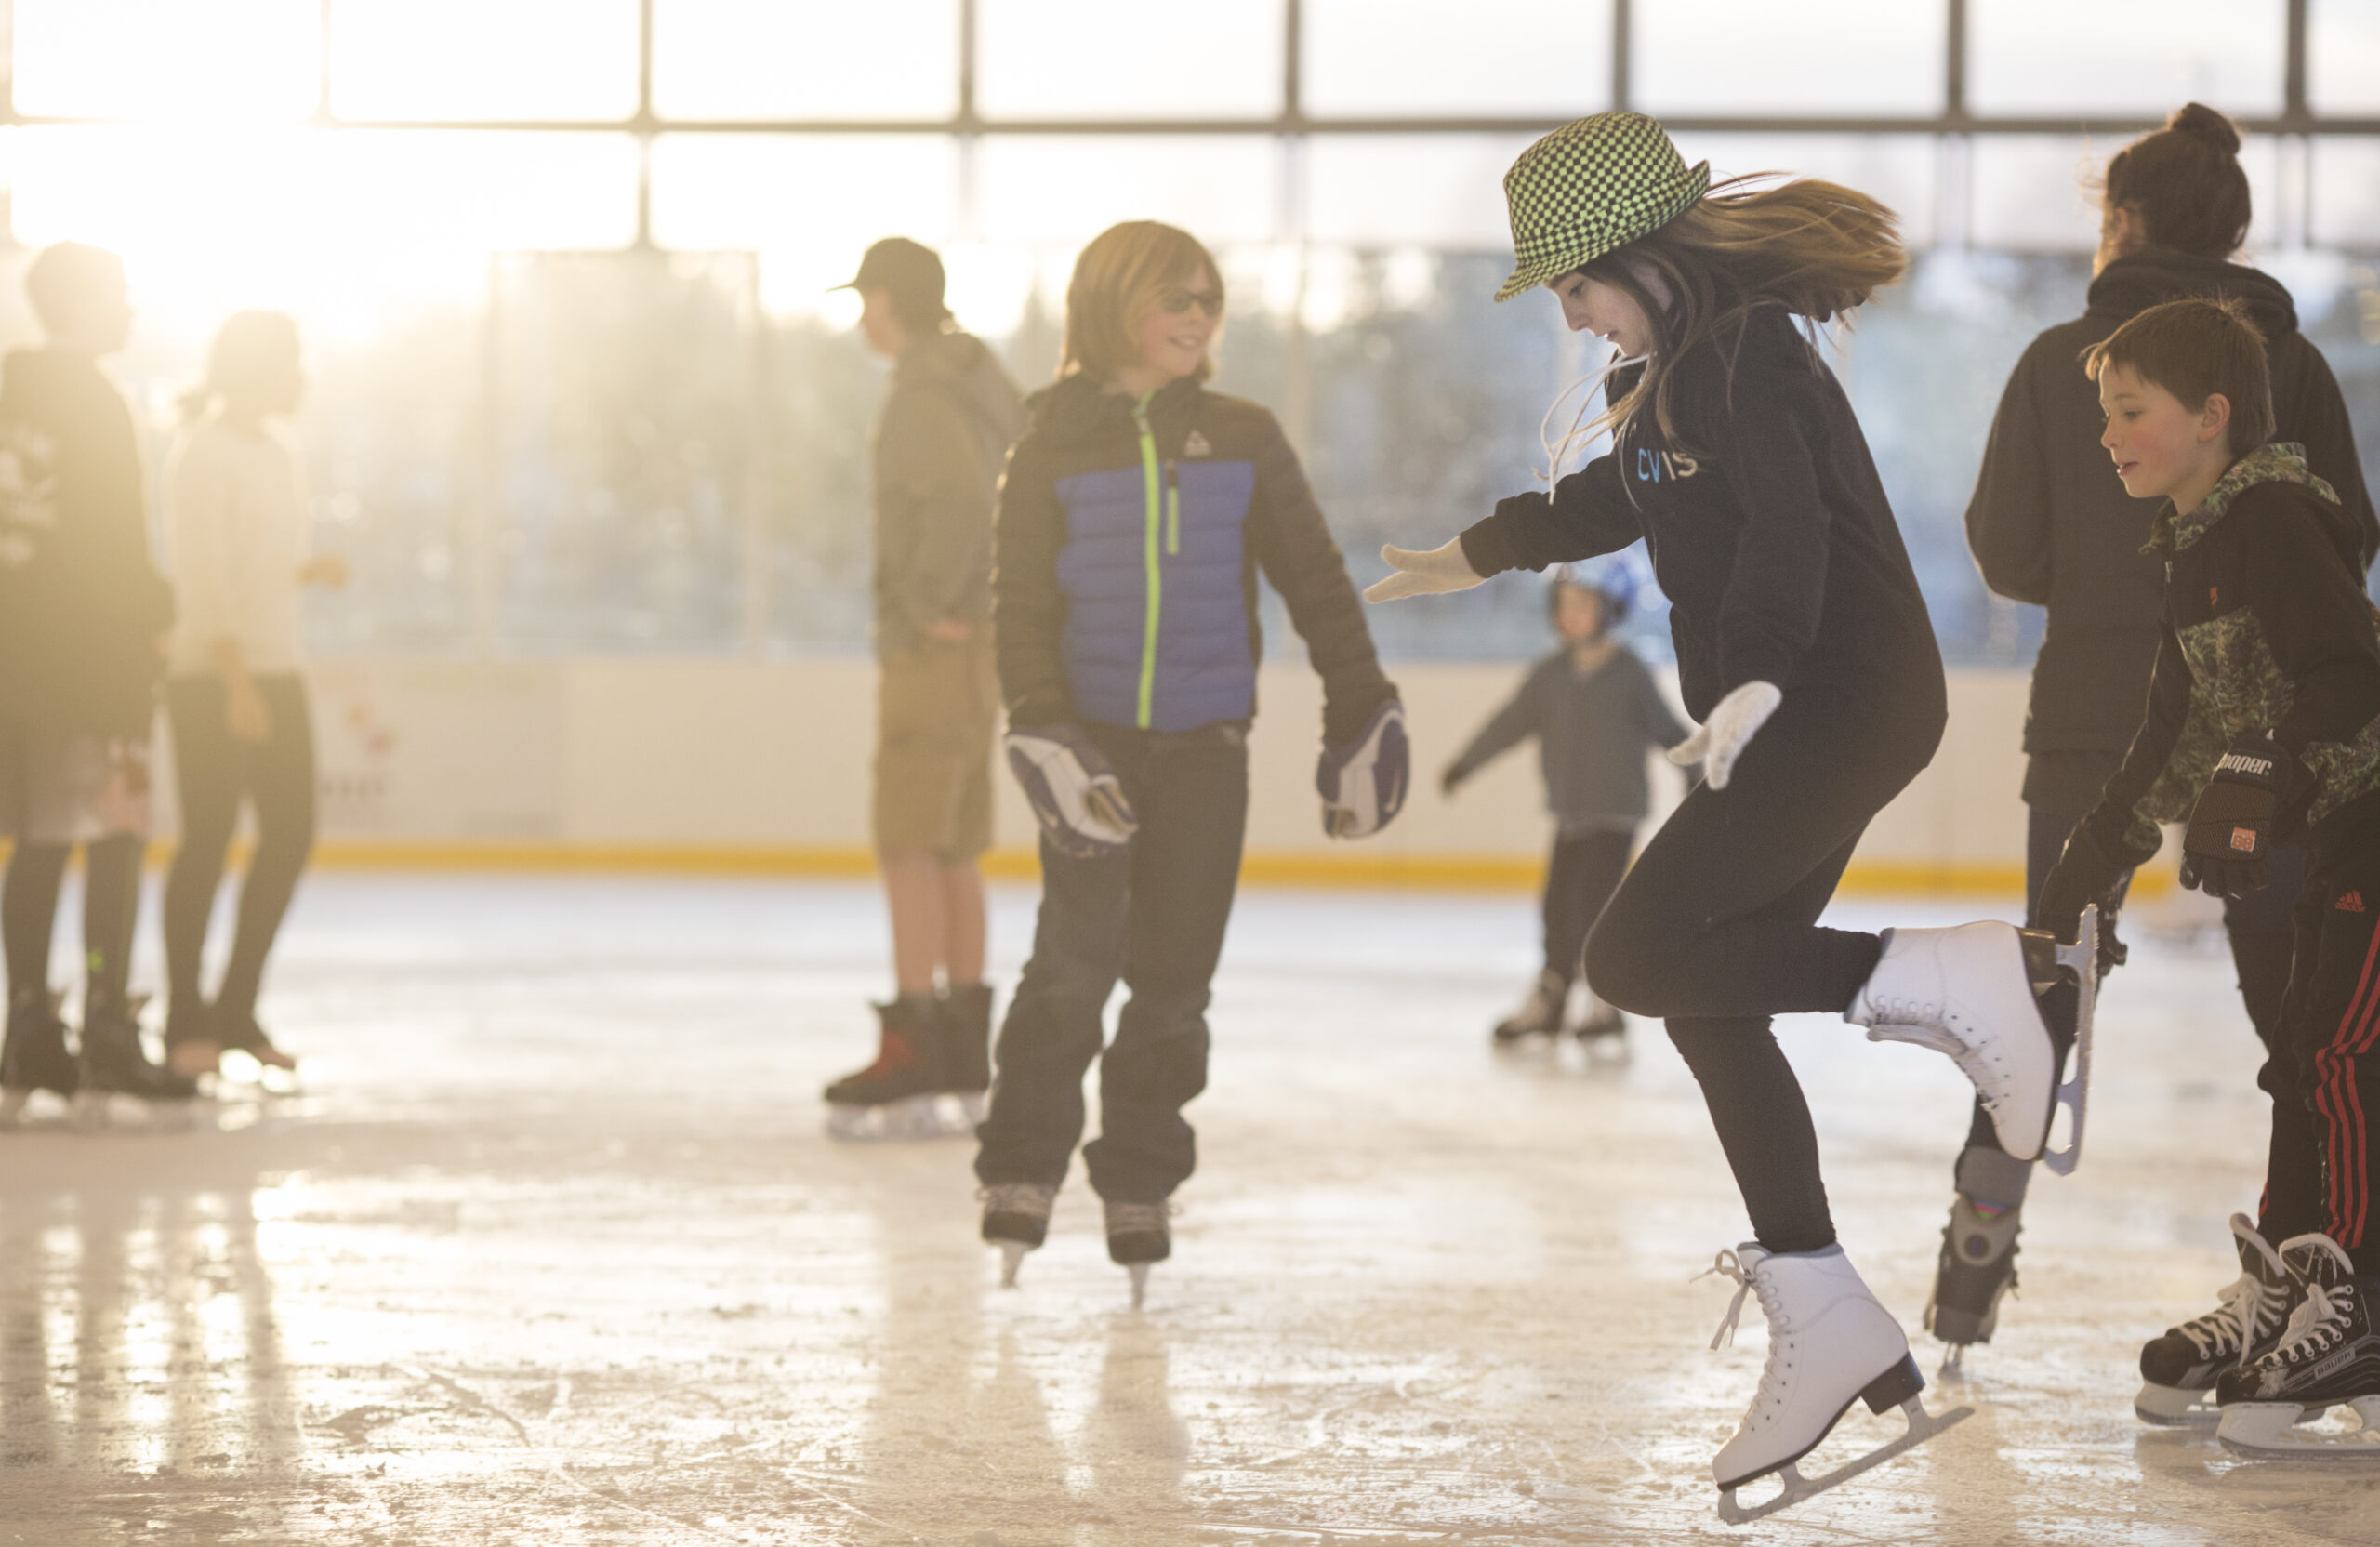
[1969, 993]
[1830, 1344]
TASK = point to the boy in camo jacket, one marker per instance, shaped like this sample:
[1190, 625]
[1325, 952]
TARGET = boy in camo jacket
[2263, 728]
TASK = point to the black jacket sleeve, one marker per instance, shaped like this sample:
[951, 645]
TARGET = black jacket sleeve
[1776, 593]
[1028, 610]
[1587, 515]
[2317, 623]
[2008, 516]
[1298, 555]
[2317, 419]
[2123, 827]
[1519, 719]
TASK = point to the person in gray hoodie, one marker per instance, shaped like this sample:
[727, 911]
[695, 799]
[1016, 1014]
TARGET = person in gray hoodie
[1594, 711]
[940, 443]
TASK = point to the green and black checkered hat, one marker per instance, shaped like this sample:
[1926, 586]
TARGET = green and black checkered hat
[1591, 187]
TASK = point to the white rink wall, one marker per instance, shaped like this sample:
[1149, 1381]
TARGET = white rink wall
[710, 764]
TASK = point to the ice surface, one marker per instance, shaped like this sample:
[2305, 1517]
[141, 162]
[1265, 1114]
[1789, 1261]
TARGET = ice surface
[552, 1250]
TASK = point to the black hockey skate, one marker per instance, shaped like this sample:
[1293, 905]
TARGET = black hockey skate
[1976, 1267]
[2178, 1370]
[896, 1096]
[35, 1057]
[1539, 1014]
[115, 1064]
[1016, 1219]
[2329, 1355]
[963, 1022]
[1138, 1235]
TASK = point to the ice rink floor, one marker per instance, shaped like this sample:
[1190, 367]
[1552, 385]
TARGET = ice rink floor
[551, 1248]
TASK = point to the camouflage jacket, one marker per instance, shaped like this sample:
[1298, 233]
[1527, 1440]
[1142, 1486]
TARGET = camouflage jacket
[2267, 630]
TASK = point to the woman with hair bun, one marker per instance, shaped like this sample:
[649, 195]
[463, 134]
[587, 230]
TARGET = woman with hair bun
[2051, 524]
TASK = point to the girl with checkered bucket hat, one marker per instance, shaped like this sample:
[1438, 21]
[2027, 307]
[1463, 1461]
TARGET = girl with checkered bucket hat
[1805, 649]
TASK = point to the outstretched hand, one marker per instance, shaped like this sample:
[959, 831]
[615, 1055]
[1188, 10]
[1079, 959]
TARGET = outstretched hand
[1424, 574]
[1720, 740]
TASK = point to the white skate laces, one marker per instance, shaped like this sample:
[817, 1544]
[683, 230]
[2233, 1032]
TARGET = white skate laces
[2240, 1311]
[1029, 1198]
[1769, 1397]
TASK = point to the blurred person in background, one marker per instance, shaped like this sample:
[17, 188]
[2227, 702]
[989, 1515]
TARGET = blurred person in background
[2050, 523]
[940, 439]
[235, 696]
[1135, 517]
[83, 616]
[1595, 711]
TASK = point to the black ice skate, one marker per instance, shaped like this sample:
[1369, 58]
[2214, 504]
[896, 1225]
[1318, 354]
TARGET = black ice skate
[34, 1056]
[1976, 1267]
[1016, 1219]
[1139, 1235]
[963, 1020]
[2329, 1355]
[2178, 1370]
[896, 1096]
[1539, 1014]
[115, 1064]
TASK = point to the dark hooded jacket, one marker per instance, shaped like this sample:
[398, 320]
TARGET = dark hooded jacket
[2050, 524]
[945, 428]
[82, 605]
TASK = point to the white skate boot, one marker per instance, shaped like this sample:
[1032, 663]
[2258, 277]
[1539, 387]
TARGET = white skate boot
[1830, 1344]
[1969, 992]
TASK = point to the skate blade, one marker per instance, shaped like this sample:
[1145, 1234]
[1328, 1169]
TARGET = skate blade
[1012, 1258]
[912, 1119]
[1139, 1272]
[1923, 1426]
[2082, 959]
[2172, 1407]
[2275, 1432]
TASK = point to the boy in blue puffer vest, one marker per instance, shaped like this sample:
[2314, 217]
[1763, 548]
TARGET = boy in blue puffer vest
[1134, 519]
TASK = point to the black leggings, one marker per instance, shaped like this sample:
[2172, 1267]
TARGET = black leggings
[1580, 878]
[1716, 928]
[111, 902]
[214, 771]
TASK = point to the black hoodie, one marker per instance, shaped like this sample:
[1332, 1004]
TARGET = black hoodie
[2050, 524]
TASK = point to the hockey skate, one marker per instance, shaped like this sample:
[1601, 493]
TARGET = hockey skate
[1976, 1268]
[1139, 1235]
[963, 1022]
[115, 1064]
[1539, 1014]
[1970, 992]
[35, 1057]
[898, 1096]
[1830, 1344]
[2178, 1370]
[1016, 1219]
[2327, 1356]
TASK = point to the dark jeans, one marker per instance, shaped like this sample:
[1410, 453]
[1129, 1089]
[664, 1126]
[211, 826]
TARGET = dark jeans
[1716, 928]
[214, 771]
[1580, 878]
[1154, 917]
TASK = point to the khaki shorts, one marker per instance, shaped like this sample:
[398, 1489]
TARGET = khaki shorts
[70, 786]
[937, 706]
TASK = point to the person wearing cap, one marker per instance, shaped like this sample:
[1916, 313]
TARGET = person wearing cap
[1595, 710]
[939, 443]
[1805, 648]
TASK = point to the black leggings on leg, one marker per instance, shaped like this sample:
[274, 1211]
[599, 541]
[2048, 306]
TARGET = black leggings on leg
[29, 913]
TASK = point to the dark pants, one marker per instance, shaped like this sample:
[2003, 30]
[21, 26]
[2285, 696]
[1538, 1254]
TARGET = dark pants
[214, 773]
[1716, 930]
[1580, 878]
[1153, 916]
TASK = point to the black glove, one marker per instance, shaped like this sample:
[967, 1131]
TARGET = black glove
[2227, 849]
[2086, 874]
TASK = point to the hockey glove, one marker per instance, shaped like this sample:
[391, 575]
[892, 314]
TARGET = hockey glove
[1363, 781]
[1418, 573]
[1072, 789]
[2085, 875]
[1720, 740]
[2227, 849]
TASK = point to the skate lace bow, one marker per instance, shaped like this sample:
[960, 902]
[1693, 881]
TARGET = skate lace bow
[2233, 1323]
[1748, 1282]
[2318, 1322]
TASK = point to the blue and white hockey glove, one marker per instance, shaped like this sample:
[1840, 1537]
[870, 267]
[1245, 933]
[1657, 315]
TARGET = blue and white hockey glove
[1362, 782]
[1074, 791]
[2227, 849]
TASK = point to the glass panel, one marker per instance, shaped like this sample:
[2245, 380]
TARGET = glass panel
[1832, 57]
[1051, 189]
[490, 191]
[1431, 191]
[1095, 59]
[2346, 197]
[1898, 170]
[489, 59]
[2125, 56]
[2343, 57]
[805, 60]
[242, 60]
[828, 197]
[2039, 193]
[1387, 59]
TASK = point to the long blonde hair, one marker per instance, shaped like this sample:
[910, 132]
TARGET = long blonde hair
[1811, 249]
[1119, 280]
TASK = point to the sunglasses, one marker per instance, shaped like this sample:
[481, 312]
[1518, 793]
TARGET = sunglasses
[1179, 302]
